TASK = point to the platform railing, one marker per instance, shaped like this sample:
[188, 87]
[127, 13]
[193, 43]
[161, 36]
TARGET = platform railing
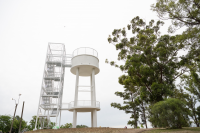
[84, 103]
[85, 50]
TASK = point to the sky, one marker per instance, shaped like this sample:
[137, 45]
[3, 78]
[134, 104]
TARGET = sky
[26, 28]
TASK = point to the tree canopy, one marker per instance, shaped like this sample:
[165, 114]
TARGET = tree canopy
[181, 12]
[151, 60]
[152, 64]
[5, 123]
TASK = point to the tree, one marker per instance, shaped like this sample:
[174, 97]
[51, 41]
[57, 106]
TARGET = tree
[169, 113]
[190, 102]
[152, 63]
[129, 96]
[193, 110]
[42, 122]
[192, 81]
[67, 125]
[151, 60]
[32, 123]
[17, 123]
[130, 107]
[5, 123]
[181, 12]
[198, 113]
[186, 13]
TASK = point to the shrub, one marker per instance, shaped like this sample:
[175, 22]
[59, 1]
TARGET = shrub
[171, 113]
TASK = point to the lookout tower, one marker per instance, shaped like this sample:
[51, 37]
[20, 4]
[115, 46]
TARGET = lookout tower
[85, 62]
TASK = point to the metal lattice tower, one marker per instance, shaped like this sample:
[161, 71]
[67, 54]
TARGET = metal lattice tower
[50, 101]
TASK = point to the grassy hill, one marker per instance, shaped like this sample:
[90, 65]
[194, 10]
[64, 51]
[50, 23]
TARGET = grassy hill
[118, 130]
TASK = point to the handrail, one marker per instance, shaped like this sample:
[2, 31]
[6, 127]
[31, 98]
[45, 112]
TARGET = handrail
[85, 50]
[84, 103]
[81, 103]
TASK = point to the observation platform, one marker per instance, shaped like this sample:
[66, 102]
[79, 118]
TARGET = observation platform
[81, 106]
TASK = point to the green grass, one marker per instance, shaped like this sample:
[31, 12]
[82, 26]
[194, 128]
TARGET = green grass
[184, 130]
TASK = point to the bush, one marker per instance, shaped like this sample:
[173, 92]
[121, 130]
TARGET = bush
[171, 113]
[81, 126]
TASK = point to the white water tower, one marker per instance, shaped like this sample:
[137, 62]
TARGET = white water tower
[85, 62]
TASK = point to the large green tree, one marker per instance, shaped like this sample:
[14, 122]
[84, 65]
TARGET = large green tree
[152, 63]
[186, 13]
[151, 60]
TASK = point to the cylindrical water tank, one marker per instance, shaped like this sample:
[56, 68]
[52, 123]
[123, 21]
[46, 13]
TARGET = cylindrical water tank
[85, 59]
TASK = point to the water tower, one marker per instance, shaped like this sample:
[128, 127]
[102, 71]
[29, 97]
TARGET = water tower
[85, 63]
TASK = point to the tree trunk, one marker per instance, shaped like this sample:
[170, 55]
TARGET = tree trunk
[135, 125]
[13, 118]
[144, 115]
[196, 121]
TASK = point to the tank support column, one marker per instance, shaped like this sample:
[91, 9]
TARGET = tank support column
[92, 119]
[74, 119]
[76, 98]
[94, 99]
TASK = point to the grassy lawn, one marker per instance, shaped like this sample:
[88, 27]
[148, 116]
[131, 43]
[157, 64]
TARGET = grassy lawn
[183, 130]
